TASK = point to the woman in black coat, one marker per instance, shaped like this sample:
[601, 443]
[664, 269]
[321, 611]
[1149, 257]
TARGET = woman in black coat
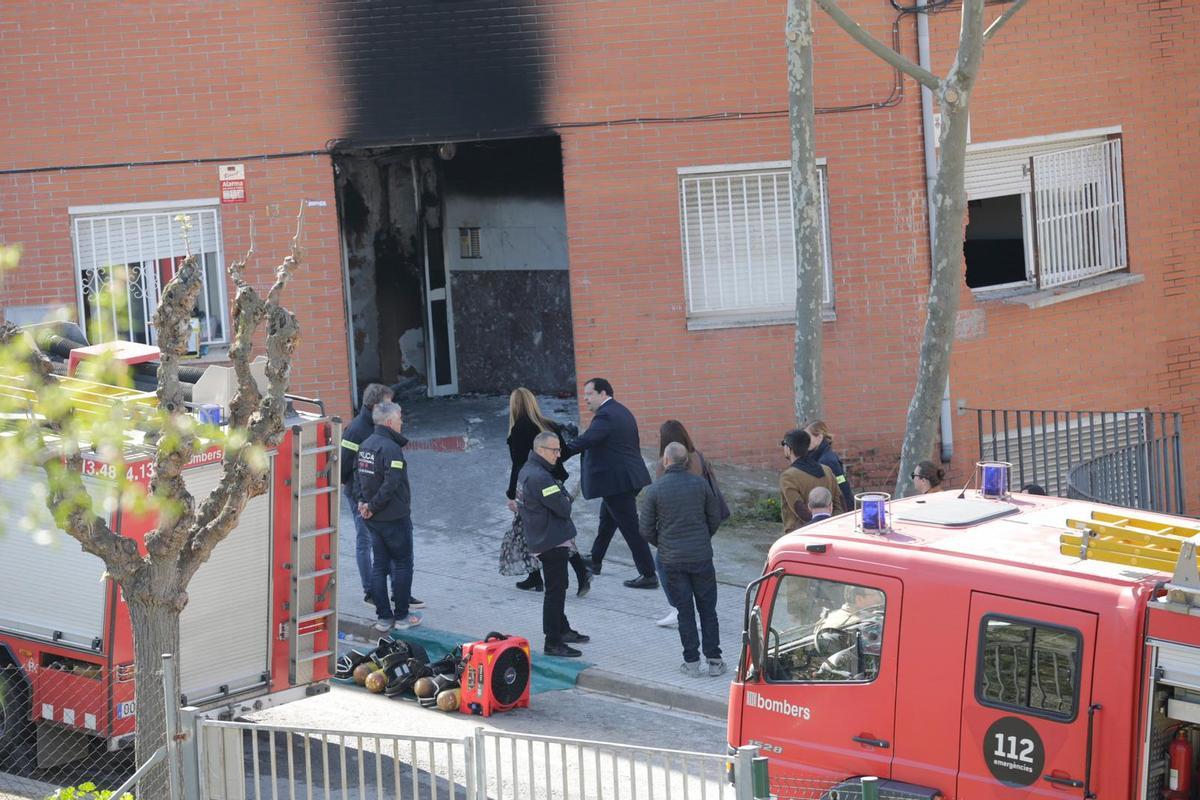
[525, 421]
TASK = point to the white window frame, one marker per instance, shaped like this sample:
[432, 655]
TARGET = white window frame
[1061, 222]
[147, 292]
[733, 313]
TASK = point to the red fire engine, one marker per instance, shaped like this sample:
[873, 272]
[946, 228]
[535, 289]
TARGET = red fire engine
[260, 627]
[961, 646]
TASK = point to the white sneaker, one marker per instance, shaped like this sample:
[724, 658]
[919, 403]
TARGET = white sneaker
[412, 621]
[670, 620]
[716, 667]
[692, 668]
[384, 625]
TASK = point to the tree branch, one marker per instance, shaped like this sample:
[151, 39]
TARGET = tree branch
[856, 32]
[175, 444]
[69, 501]
[242, 480]
[1008, 14]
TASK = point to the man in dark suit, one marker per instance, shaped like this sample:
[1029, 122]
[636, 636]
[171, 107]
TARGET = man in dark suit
[614, 471]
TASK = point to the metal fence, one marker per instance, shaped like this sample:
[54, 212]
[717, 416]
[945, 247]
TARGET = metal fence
[1127, 458]
[522, 766]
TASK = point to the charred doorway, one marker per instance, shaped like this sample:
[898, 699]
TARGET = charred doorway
[457, 266]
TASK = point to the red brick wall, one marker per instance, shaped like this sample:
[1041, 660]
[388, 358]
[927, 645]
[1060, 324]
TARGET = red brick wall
[209, 80]
[35, 213]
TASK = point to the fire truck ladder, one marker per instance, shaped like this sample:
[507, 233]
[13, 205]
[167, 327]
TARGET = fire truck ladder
[316, 483]
[1126, 540]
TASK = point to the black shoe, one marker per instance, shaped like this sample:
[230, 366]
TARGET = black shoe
[575, 637]
[533, 583]
[562, 651]
[642, 582]
[415, 603]
[585, 584]
[367, 598]
[593, 567]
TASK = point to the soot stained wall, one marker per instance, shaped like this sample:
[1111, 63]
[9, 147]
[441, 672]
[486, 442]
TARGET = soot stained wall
[428, 70]
[513, 328]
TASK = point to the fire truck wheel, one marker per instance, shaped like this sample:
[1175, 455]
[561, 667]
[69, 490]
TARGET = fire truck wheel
[16, 730]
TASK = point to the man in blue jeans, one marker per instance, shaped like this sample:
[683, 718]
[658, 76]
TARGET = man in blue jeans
[384, 501]
[679, 515]
[355, 434]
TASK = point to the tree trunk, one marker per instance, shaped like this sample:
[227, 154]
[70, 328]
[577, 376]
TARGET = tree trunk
[806, 194]
[950, 200]
[155, 619]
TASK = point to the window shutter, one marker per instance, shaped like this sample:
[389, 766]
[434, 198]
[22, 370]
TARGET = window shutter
[127, 238]
[1079, 213]
[739, 241]
[1003, 171]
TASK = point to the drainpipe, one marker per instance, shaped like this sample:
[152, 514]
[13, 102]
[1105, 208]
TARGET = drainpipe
[930, 138]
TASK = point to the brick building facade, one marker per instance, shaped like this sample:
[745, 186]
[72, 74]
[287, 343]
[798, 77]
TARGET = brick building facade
[663, 113]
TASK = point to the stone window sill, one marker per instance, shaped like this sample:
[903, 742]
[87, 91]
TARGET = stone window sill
[1032, 297]
[749, 320]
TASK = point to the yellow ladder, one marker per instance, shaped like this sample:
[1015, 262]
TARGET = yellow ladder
[1126, 540]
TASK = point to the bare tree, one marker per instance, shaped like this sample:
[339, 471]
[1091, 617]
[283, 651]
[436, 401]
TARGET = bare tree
[806, 212]
[154, 583]
[953, 94]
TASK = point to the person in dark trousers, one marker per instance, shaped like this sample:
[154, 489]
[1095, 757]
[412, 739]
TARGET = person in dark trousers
[822, 444]
[385, 502]
[673, 431]
[545, 509]
[679, 515]
[525, 421]
[614, 471]
[355, 433]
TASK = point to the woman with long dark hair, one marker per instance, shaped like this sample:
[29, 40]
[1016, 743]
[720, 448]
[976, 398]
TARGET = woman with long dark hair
[669, 432]
[525, 422]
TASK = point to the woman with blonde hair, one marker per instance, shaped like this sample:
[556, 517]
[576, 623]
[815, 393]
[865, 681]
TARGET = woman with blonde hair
[525, 422]
[821, 448]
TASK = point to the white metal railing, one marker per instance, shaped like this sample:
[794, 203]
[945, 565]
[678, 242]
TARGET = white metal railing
[249, 761]
[523, 766]
[1079, 213]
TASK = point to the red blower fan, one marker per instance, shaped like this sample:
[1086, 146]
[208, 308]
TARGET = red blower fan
[496, 675]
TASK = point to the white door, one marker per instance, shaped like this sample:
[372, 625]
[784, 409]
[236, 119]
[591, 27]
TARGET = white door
[439, 315]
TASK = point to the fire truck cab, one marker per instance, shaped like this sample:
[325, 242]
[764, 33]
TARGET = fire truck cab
[976, 648]
[260, 626]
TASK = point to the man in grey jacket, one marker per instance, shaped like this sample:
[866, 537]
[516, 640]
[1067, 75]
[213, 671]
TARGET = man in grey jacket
[545, 509]
[679, 515]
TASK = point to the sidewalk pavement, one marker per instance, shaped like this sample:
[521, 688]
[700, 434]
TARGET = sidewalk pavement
[459, 519]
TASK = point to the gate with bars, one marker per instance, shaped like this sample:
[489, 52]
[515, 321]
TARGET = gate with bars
[1126, 458]
[250, 761]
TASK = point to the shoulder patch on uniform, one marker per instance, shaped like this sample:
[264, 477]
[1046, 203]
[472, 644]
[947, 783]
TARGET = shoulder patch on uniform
[397, 465]
[841, 478]
[549, 490]
[349, 445]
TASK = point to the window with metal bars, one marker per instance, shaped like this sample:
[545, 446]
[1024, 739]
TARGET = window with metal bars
[738, 238]
[124, 259]
[1045, 213]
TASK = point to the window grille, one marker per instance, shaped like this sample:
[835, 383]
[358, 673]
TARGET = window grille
[739, 239]
[1079, 213]
[125, 259]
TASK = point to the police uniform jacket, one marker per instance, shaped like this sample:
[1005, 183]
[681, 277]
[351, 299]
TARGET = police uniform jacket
[544, 505]
[355, 434]
[824, 455]
[381, 476]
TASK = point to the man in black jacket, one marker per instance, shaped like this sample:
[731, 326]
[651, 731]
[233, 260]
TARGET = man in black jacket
[384, 502]
[355, 434]
[679, 516]
[545, 508]
[614, 471]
